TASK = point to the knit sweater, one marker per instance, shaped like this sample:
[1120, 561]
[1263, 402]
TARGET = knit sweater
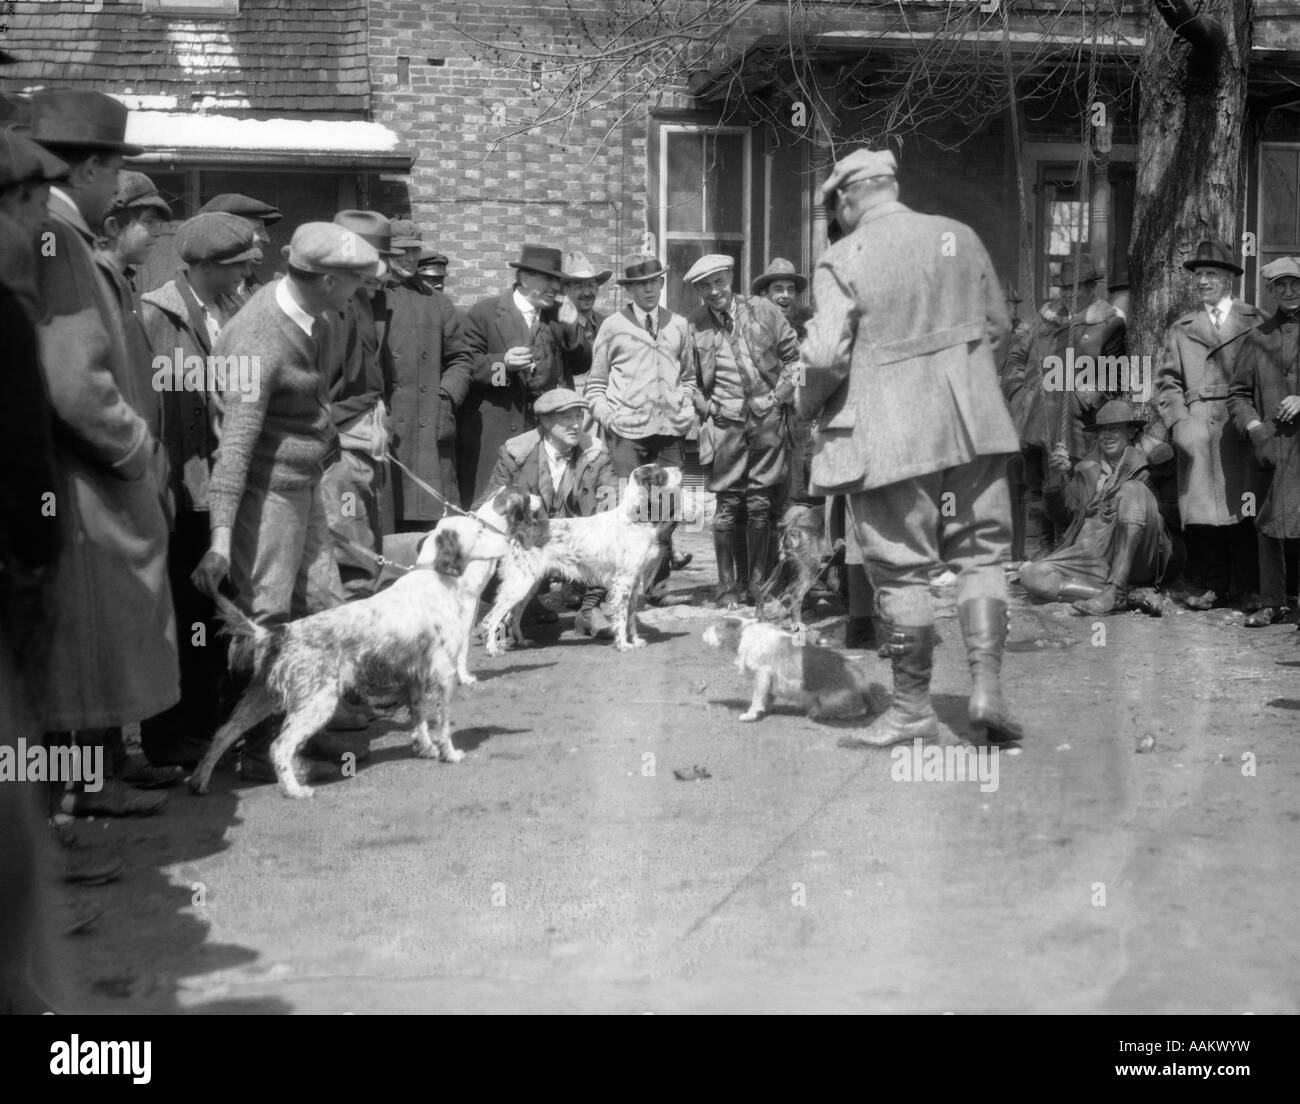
[277, 434]
[642, 386]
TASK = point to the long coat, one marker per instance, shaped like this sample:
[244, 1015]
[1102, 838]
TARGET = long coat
[499, 404]
[1263, 376]
[426, 365]
[113, 659]
[1216, 464]
[595, 483]
[1044, 417]
[900, 357]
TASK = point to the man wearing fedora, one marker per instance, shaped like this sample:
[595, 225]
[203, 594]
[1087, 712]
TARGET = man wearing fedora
[181, 321]
[1115, 537]
[901, 374]
[354, 484]
[578, 320]
[1264, 401]
[514, 357]
[426, 364]
[269, 529]
[114, 657]
[747, 367]
[1075, 318]
[1217, 475]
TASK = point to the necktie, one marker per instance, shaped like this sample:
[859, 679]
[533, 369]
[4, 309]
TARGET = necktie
[1215, 317]
[650, 324]
[727, 321]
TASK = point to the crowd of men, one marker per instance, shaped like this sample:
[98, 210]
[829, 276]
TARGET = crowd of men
[165, 444]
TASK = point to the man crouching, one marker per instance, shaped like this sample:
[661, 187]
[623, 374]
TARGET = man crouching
[1116, 536]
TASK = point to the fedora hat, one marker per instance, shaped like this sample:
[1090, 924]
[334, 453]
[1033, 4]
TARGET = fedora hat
[1213, 254]
[64, 118]
[641, 266]
[1077, 270]
[779, 269]
[369, 226]
[1116, 412]
[577, 267]
[539, 258]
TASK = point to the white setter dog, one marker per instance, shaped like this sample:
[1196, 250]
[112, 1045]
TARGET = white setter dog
[409, 635]
[612, 549]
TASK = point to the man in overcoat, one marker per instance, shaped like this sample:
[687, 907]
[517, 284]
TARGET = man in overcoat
[514, 357]
[1264, 401]
[900, 373]
[1217, 474]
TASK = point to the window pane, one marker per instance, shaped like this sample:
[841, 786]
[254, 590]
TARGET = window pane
[1278, 190]
[683, 254]
[725, 175]
[685, 185]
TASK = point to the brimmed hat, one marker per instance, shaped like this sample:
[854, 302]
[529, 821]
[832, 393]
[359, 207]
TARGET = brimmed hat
[779, 269]
[577, 267]
[1283, 266]
[217, 236]
[861, 164]
[1082, 266]
[539, 258]
[708, 265]
[1116, 412]
[641, 266]
[430, 257]
[328, 247]
[73, 118]
[135, 189]
[22, 160]
[370, 226]
[558, 399]
[406, 234]
[1213, 254]
[243, 206]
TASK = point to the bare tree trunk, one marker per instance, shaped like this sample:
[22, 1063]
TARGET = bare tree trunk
[1190, 170]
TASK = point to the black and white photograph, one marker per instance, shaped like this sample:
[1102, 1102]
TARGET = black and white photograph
[651, 507]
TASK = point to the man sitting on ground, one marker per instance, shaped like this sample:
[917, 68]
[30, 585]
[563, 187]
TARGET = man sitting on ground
[1116, 536]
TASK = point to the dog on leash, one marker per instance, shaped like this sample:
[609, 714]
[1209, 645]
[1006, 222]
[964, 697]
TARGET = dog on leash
[803, 536]
[819, 680]
[612, 549]
[409, 635]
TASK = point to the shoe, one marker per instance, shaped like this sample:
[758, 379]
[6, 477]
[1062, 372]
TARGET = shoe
[350, 718]
[115, 798]
[1110, 600]
[258, 768]
[1148, 600]
[984, 629]
[141, 774]
[1265, 615]
[1199, 600]
[679, 560]
[331, 747]
[593, 622]
[180, 751]
[910, 716]
[88, 868]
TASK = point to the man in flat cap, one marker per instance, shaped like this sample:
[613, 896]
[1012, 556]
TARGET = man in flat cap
[747, 366]
[262, 215]
[269, 530]
[432, 267]
[114, 657]
[427, 366]
[181, 321]
[1116, 545]
[570, 472]
[900, 362]
[514, 357]
[1264, 402]
[1217, 475]
[1053, 408]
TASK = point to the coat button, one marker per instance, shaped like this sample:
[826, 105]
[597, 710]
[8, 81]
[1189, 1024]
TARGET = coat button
[424, 387]
[424, 355]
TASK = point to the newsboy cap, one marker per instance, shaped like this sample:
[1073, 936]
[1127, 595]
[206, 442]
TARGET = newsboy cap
[370, 226]
[135, 189]
[217, 236]
[708, 265]
[1213, 254]
[23, 161]
[406, 234]
[863, 164]
[243, 206]
[433, 258]
[558, 399]
[1283, 266]
[328, 247]
[77, 119]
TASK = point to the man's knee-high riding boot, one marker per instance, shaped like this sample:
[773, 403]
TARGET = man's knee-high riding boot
[910, 715]
[724, 547]
[1114, 595]
[757, 539]
[984, 629]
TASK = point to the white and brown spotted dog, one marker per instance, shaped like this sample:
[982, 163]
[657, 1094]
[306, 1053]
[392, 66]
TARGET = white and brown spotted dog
[613, 549]
[784, 667]
[408, 636]
[803, 539]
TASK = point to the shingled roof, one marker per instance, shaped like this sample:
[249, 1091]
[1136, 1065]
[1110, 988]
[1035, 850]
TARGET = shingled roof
[276, 56]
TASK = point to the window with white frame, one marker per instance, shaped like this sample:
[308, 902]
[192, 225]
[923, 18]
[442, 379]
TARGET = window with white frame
[703, 201]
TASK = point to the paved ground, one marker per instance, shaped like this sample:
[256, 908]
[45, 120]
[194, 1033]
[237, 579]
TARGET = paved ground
[562, 868]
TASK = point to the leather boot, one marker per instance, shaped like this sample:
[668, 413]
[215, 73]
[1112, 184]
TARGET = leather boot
[860, 631]
[757, 540]
[984, 629]
[910, 715]
[1076, 591]
[1114, 595]
[724, 548]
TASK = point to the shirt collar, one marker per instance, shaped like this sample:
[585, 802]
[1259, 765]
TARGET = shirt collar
[524, 306]
[1224, 305]
[554, 455]
[285, 301]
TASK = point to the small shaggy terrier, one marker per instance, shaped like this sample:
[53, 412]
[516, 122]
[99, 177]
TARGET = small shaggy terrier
[410, 635]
